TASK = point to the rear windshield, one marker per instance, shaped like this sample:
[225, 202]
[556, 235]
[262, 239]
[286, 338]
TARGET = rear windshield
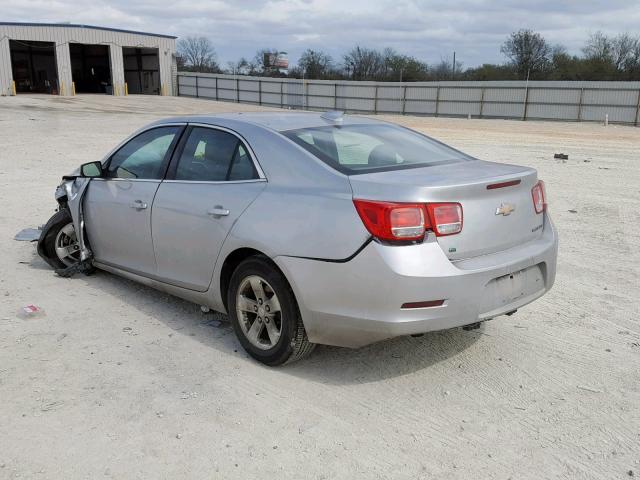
[354, 149]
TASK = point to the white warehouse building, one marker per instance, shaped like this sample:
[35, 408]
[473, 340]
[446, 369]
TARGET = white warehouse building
[65, 59]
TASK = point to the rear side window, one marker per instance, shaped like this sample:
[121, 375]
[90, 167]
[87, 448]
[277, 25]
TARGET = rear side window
[354, 149]
[242, 166]
[212, 155]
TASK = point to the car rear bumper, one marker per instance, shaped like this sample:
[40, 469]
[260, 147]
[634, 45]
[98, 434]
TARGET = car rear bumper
[358, 302]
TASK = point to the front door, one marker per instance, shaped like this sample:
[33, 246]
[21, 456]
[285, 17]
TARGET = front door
[118, 206]
[211, 181]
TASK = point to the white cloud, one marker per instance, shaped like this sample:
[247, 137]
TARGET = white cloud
[427, 29]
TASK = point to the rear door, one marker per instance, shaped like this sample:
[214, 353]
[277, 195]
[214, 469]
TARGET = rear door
[212, 179]
[118, 206]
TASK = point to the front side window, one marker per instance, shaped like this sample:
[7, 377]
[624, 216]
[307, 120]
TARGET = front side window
[211, 155]
[145, 156]
[354, 149]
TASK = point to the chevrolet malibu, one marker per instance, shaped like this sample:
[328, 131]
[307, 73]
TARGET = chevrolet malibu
[309, 228]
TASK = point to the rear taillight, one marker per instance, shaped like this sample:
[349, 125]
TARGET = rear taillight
[408, 221]
[446, 218]
[539, 197]
[392, 221]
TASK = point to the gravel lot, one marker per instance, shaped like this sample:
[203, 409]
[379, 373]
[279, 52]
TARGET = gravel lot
[120, 381]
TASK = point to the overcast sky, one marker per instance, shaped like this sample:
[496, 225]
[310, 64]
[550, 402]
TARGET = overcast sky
[427, 29]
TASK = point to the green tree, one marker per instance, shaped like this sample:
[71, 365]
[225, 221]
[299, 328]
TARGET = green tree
[197, 54]
[315, 64]
[527, 51]
[489, 72]
[362, 63]
[398, 67]
[613, 58]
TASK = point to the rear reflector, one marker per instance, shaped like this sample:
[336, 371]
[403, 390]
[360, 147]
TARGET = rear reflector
[427, 304]
[493, 186]
[539, 197]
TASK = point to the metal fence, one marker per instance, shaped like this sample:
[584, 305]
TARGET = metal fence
[535, 100]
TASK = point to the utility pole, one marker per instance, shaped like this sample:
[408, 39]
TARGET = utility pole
[453, 67]
[304, 89]
[526, 96]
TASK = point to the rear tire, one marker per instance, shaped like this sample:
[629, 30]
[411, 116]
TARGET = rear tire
[265, 315]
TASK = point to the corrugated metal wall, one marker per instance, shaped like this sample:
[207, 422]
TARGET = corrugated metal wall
[63, 35]
[553, 100]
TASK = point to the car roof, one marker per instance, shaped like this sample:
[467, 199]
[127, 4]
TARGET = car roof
[278, 121]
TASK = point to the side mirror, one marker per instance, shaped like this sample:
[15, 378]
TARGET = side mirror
[91, 170]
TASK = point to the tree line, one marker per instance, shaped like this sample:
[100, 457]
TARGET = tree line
[527, 55]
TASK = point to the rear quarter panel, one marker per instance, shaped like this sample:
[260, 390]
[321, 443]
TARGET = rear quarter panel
[306, 209]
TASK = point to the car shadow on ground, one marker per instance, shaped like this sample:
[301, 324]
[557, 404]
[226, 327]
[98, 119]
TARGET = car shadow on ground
[387, 359]
[332, 365]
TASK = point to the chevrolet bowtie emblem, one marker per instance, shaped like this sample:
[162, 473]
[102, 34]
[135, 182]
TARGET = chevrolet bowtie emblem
[505, 209]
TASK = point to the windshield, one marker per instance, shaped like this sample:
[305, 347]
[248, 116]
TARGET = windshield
[354, 149]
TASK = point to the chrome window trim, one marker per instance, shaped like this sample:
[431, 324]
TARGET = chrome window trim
[245, 144]
[219, 182]
[252, 155]
[118, 179]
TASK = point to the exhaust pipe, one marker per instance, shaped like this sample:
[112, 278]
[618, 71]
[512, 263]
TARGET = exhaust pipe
[471, 326]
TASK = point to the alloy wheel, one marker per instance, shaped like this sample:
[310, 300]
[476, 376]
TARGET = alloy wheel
[259, 313]
[66, 244]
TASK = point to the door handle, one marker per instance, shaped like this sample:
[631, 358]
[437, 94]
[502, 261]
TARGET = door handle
[218, 211]
[138, 205]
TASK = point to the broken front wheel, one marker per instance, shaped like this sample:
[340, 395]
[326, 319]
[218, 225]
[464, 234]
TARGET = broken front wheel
[60, 245]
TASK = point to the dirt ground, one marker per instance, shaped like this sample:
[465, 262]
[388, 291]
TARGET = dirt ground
[120, 381]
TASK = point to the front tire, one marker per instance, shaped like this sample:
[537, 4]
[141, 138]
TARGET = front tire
[61, 242]
[265, 315]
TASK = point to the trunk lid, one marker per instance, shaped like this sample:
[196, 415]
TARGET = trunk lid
[494, 219]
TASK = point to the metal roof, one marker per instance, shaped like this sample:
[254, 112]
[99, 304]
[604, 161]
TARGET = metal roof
[278, 121]
[76, 25]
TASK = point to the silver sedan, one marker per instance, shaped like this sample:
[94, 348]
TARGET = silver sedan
[309, 228]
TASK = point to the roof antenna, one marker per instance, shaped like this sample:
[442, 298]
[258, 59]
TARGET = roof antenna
[333, 116]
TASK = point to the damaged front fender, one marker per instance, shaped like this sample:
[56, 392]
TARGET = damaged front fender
[70, 195]
[75, 190]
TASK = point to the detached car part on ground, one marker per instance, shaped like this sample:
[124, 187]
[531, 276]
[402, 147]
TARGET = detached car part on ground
[309, 228]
